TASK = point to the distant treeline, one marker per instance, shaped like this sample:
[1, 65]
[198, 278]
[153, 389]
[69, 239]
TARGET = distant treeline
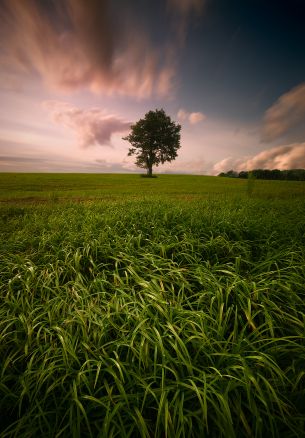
[291, 175]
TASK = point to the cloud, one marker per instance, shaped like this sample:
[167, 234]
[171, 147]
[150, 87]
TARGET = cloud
[185, 7]
[284, 157]
[196, 118]
[182, 10]
[286, 118]
[193, 118]
[182, 115]
[92, 126]
[225, 165]
[280, 157]
[198, 167]
[10, 82]
[74, 44]
[60, 164]
[115, 167]
[15, 159]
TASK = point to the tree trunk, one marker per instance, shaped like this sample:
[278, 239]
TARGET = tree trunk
[149, 169]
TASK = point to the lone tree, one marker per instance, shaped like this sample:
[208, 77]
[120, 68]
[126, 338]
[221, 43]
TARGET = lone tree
[154, 139]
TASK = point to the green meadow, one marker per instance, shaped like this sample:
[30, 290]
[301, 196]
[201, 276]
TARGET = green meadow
[165, 307]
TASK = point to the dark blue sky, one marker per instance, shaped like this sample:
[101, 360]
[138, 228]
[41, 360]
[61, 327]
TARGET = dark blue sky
[242, 55]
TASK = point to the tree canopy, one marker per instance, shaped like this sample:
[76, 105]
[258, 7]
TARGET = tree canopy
[154, 139]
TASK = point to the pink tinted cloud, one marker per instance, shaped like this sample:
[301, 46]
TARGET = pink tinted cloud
[285, 119]
[75, 44]
[198, 167]
[286, 116]
[182, 115]
[196, 117]
[192, 118]
[225, 165]
[280, 157]
[91, 126]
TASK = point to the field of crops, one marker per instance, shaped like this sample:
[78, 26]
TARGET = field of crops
[167, 307]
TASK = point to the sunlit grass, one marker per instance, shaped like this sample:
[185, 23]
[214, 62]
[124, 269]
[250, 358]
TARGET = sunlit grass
[140, 317]
[44, 188]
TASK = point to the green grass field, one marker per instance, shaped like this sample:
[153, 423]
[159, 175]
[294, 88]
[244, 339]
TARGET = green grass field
[167, 307]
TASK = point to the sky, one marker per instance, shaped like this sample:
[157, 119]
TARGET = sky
[75, 74]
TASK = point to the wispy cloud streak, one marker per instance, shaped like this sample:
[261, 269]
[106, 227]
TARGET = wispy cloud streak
[74, 44]
[182, 11]
[284, 157]
[286, 117]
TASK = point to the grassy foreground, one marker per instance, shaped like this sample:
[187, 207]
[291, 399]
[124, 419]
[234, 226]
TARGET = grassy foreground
[172, 307]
